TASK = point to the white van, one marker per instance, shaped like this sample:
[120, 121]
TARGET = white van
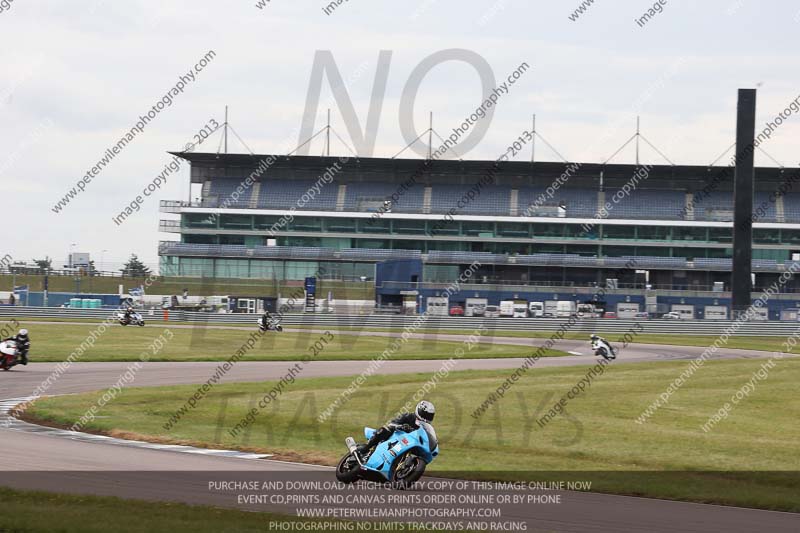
[520, 310]
[491, 311]
[475, 306]
[438, 306]
[507, 308]
[627, 310]
[684, 311]
[565, 308]
[716, 312]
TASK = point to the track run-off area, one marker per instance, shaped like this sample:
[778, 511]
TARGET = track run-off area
[61, 461]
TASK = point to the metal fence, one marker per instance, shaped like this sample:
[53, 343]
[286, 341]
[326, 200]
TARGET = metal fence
[331, 321]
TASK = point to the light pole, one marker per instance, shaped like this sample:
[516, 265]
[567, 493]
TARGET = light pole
[69, 265]
[364, 287]
[71, 249]
[102, 257]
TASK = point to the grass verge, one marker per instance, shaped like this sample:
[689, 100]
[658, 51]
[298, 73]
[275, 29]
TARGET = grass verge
[55, 342]
[741, 342]
[34, 511]
[749, 459]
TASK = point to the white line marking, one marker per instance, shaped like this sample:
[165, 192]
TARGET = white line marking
[9, 422]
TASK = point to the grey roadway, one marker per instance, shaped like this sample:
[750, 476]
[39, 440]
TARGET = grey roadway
[65, 465]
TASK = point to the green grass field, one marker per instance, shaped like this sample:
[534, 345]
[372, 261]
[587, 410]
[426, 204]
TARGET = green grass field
[743, 342]
[750, 459]
[54, 342]
[32, 511]
[770, 344]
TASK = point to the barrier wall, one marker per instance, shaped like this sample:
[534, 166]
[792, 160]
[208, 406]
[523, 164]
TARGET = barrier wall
[330, 321]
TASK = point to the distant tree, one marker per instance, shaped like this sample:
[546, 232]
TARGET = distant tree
[135, 268]
[45, 265]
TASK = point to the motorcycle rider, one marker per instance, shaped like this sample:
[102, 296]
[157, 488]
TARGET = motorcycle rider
[266, 320]
[128, 314]
[406, 422]
[23, 345]
[599, 342]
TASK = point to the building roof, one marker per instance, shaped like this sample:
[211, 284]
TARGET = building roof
[455, 171]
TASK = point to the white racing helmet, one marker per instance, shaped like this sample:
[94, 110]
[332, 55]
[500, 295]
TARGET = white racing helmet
[425, 411]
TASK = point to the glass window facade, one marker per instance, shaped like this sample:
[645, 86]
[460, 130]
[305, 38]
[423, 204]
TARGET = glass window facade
[241, 222]
[262, 268]
[232, 268]
[196, 267]
[597, 239]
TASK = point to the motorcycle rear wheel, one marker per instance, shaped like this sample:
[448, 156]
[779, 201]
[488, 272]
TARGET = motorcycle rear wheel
[606, 355]
[407, 470]
[348, 469]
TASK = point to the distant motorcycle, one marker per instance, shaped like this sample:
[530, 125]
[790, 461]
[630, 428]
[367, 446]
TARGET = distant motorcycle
[401, 459]
[9, 355]
[272, 324]
[603, 348]
[134, 319]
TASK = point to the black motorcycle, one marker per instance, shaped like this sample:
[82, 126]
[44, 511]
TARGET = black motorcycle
[269, 324]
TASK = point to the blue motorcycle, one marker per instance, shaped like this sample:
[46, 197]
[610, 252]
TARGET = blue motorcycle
[400, 460]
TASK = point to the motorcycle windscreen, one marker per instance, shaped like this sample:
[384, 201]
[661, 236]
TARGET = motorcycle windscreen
[433, 441]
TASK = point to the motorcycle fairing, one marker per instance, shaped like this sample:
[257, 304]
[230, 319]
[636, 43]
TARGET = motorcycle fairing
[387, 452]
[8, 348]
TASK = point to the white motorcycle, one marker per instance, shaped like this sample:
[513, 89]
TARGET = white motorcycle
[273, 324]
[135, 319]
[603, 348]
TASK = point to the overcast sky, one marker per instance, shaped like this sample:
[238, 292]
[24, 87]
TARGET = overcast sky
[77, 75]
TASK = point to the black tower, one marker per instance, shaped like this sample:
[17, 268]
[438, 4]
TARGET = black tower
[741, 281]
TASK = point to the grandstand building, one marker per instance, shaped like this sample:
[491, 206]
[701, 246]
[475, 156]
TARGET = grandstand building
[530, 225]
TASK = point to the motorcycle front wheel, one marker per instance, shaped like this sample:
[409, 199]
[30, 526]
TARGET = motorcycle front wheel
[141, 323]
[407, 470]
[348, 469]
